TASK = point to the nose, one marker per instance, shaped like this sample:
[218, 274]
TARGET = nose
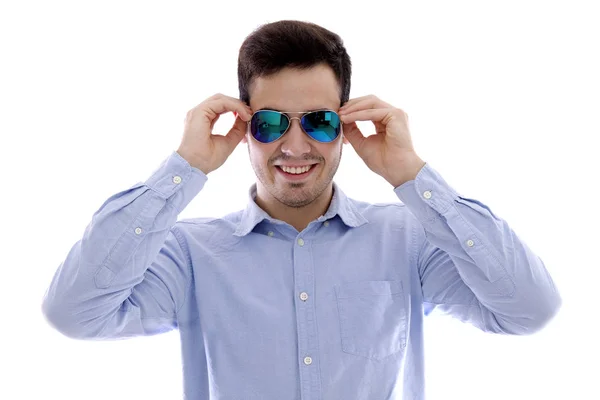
[295, 141]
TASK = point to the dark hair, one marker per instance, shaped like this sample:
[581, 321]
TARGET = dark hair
[296, 44]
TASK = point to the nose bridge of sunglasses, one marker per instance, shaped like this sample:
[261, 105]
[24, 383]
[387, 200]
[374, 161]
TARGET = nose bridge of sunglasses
[291, 124]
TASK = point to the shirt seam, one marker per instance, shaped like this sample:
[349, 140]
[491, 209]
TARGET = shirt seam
[179, 238]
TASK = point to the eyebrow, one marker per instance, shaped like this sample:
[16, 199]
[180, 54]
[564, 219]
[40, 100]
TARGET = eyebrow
[275, 109]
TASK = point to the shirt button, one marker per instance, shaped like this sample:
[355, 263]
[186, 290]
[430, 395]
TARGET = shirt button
[307, 360]
[427, 194]
[470, 243]
[303, 296]
[326, 223]
[270, 233]
[301, 242]
[177, 179]
[138, 231]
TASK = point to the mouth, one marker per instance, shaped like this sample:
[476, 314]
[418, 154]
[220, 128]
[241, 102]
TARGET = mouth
[296, 174]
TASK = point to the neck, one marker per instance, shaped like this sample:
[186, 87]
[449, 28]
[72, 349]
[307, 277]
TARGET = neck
[298, 217]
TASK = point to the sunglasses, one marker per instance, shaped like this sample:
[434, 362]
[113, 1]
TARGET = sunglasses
[266, 126]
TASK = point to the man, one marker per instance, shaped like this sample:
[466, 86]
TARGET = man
[305, 294]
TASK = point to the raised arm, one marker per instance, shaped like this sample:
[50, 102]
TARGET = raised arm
[128, 274]
[473, 266]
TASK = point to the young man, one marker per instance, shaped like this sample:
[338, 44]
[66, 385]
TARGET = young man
[305, 294]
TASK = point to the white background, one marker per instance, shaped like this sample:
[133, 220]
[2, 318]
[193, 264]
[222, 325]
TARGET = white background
[503, 99]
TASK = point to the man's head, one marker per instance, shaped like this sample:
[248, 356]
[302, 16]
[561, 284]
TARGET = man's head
[294, 66]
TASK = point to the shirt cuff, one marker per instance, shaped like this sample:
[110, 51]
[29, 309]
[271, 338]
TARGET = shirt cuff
[174, 174]
[427, 196]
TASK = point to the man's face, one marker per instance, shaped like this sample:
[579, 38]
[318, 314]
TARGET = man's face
[295, 90]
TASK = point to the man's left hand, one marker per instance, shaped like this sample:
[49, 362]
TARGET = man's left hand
[390, 151]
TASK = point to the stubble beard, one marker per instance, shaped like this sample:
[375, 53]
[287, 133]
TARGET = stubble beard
[299, 194]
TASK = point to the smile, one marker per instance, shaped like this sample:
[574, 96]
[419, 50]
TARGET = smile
[296, 170]
[295, 173]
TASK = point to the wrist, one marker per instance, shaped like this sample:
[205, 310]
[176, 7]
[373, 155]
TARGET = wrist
[193, 161]
[409, 172]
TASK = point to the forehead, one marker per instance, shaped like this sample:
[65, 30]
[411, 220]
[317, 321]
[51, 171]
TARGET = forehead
[296, 90]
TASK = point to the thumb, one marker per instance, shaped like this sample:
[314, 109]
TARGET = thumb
[236, 133]
[354, 136]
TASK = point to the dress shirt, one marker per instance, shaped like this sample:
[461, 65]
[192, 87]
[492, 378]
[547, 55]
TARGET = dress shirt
[334, 312]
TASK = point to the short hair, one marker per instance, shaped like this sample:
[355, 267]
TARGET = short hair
[296, 44]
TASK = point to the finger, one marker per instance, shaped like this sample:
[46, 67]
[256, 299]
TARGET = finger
[365, 103]
[373, 114]
[245, 117]
[225, 104]
[220, 96]
[353, 101]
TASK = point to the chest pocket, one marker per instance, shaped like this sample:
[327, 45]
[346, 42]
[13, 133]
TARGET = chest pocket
[373, 318]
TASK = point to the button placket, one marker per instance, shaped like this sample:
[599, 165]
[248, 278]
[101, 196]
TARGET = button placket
[305, 313]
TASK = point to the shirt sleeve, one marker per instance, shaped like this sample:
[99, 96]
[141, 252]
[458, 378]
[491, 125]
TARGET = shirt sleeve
[471, 263]
[128, 274]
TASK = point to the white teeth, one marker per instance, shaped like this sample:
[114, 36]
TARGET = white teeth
[296, 170]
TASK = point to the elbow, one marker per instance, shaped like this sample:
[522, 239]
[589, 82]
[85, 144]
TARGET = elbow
[57, 320]
[532, 318]
[546, 311]
[545, 307]
[63, 321]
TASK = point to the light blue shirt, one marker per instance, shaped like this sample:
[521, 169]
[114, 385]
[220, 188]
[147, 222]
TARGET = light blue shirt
[265, 312]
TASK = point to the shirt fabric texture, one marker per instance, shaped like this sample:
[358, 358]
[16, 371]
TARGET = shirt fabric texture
[265, 312]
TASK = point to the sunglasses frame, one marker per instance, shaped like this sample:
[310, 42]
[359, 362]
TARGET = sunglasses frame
[299, 120]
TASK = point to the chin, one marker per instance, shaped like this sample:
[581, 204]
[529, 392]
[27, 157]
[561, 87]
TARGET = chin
[296, 201]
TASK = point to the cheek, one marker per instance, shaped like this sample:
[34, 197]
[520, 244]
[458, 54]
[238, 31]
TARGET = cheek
[333, 154]
[260, 155]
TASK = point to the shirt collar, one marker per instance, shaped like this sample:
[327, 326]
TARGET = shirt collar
[340, 205]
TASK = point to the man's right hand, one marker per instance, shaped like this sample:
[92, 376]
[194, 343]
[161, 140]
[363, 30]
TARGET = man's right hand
[199, 147]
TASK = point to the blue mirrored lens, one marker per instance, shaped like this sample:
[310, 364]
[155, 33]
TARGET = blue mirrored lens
[323, 126]
[267, 126]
